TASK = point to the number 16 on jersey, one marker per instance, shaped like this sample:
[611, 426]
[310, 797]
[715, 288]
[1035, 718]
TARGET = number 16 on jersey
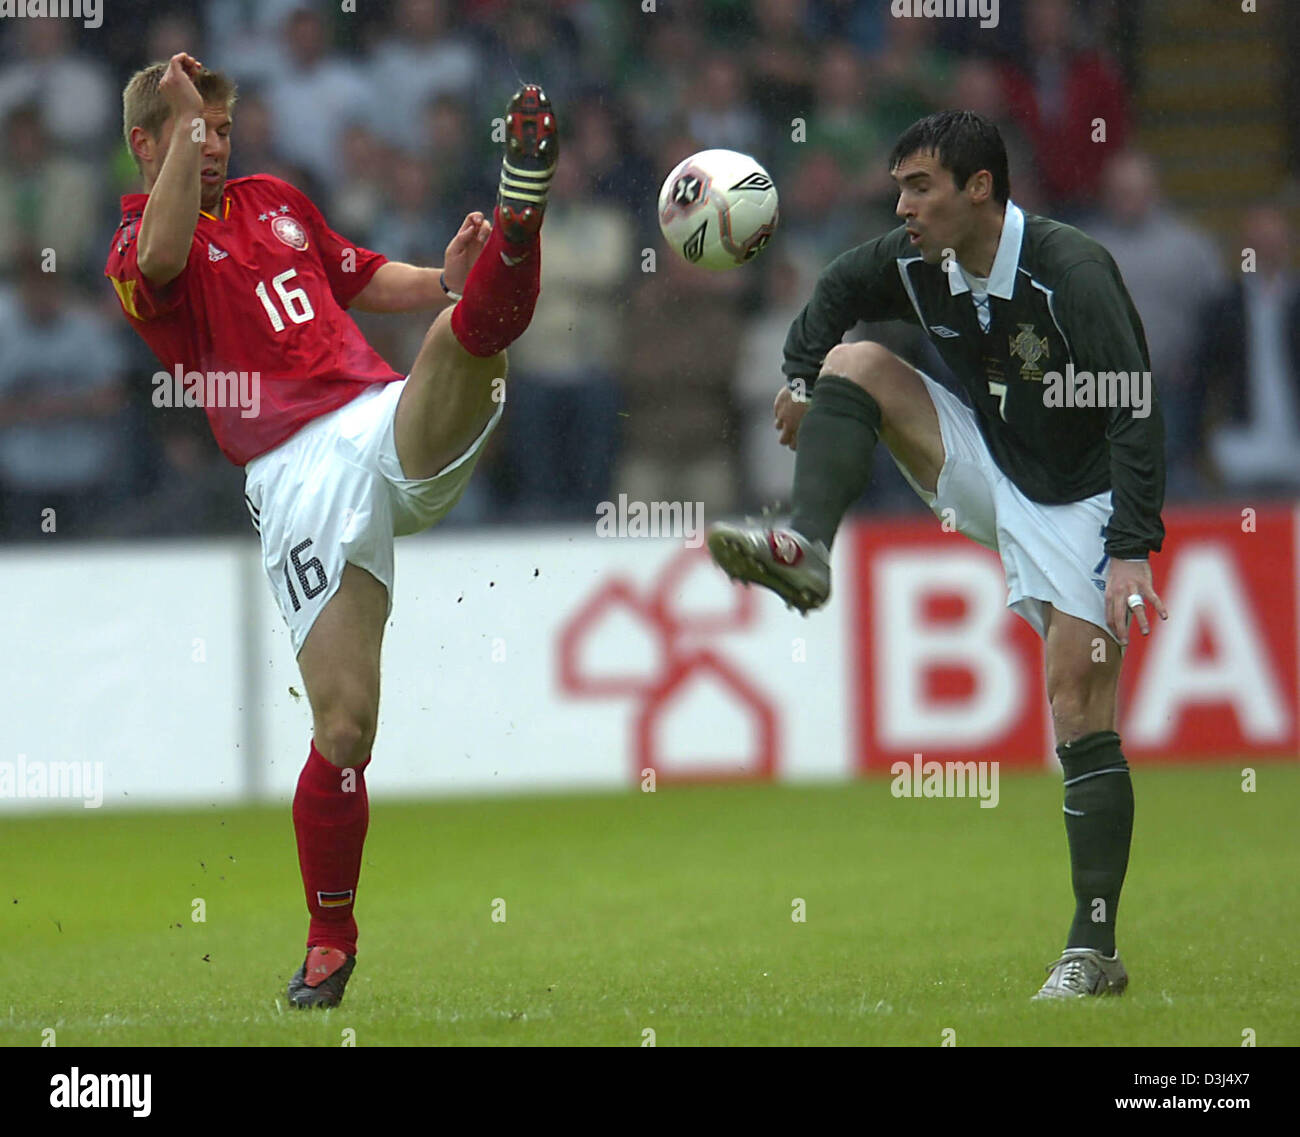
[296, 302]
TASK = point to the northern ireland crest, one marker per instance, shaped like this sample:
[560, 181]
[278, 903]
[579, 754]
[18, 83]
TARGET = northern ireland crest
[1029, 349]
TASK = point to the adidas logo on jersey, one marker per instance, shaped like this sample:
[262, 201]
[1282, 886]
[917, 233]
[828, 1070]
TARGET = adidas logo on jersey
[215, 254]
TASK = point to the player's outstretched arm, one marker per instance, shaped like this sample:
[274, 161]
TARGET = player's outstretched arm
[821, 324]
[398, 287]
[862, 283]
[172, 211]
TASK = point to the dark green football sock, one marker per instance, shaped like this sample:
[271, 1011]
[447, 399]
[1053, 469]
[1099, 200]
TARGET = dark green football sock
[1099, 825]
[832, 465]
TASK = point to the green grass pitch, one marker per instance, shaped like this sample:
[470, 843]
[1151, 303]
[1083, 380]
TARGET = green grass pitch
[667, 912]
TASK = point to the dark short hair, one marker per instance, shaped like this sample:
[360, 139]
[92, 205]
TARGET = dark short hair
[964, 142]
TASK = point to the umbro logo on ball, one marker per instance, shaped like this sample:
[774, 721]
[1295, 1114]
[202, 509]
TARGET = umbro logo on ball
[693, 249]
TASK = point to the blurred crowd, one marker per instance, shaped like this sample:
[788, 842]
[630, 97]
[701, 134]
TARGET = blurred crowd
[639, 374]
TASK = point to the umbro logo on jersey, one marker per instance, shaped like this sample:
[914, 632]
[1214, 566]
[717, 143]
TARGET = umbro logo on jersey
[215, 254]
[946, 333]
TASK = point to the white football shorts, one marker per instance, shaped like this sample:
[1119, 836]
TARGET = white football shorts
[334, 494]
[1051, 554]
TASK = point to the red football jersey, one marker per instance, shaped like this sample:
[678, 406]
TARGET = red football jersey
[263, 293]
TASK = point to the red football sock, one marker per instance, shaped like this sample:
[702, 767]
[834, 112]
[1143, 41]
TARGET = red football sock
[499, 297]
[330, 815]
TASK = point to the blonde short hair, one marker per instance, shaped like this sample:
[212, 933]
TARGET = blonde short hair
[144, 107]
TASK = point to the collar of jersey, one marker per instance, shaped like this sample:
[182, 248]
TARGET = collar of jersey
[226, 198]
[1002, 280]
[136, 201]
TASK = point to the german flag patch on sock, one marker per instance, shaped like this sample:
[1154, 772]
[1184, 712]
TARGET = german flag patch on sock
[334, 899]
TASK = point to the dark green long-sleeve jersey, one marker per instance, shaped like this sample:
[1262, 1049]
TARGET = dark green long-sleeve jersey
[1065, 303]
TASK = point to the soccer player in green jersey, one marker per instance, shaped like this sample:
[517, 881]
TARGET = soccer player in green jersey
[1057, 463]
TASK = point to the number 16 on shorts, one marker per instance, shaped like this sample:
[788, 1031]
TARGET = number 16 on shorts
[310, 573]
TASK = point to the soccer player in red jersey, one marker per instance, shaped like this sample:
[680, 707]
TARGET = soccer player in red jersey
[240, 288]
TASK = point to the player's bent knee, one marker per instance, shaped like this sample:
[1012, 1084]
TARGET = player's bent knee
[345, 739]
[869, 365]
[848, 360]
[858, 362]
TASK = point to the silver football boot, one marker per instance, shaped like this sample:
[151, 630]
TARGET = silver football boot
[796, 569]
[1081, 972]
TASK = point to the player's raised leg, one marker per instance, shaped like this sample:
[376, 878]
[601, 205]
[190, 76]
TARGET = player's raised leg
[864, 391]
[339, 662]
[451, 394]
[1083, 668]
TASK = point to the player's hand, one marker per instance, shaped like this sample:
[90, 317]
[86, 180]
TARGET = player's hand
[177, 87]
[788, 413]
[464, 250]
[1125, 579]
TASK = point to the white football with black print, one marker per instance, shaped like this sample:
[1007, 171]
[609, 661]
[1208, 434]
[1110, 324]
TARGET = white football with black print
[718, 209]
